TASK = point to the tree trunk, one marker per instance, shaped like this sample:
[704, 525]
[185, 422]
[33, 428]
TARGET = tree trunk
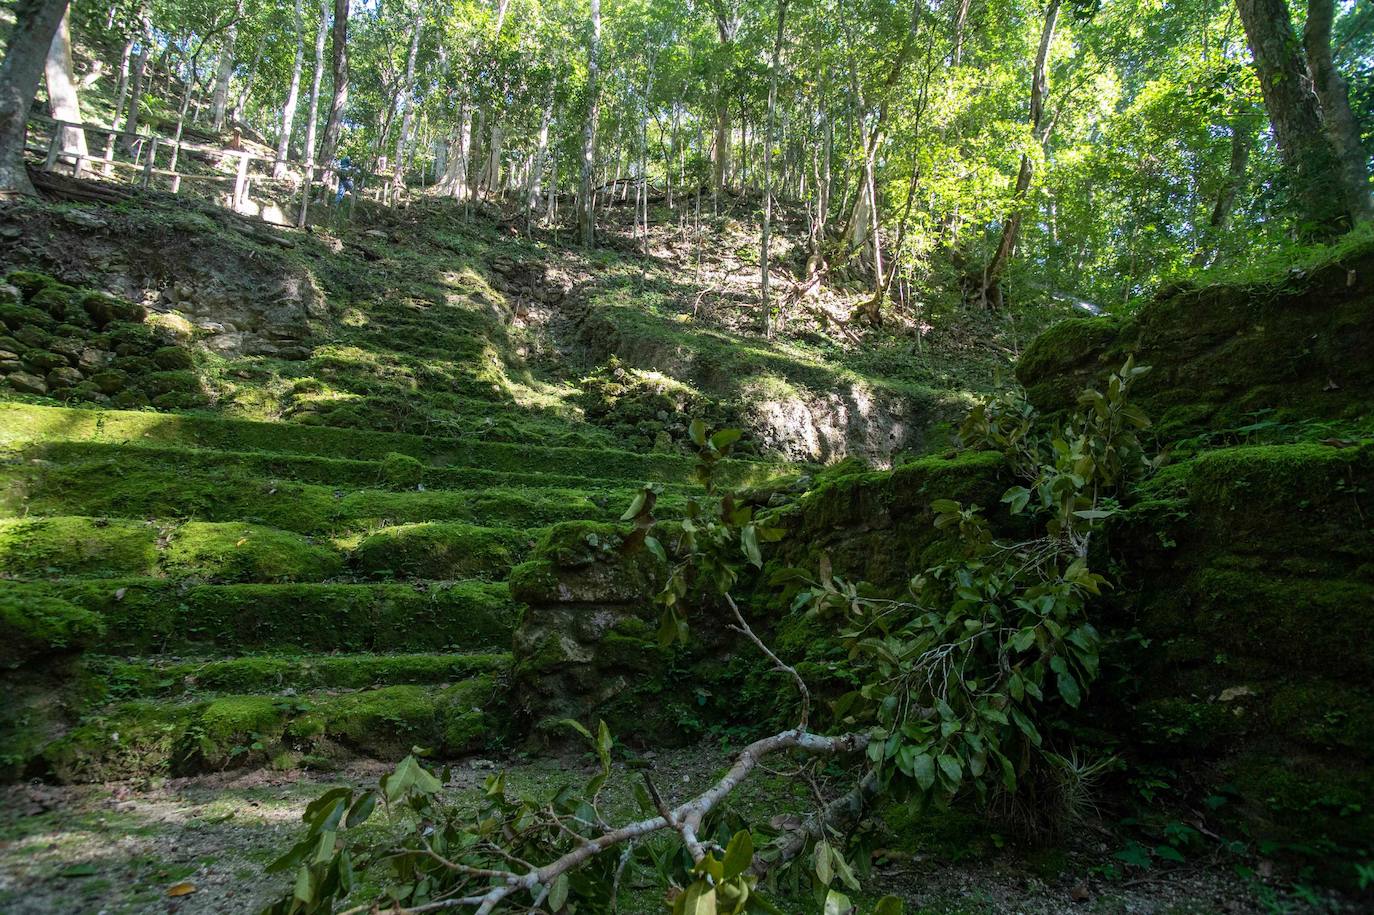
[219, 100]
[329, 147]
[992, 274]
[62, 98]
[407, 98]
[312, 114]
[35, 24]
[534, 188]
[768, 169]
[288, 115]
[1341, 128]
[129, 133]
[960, 21]
[1311, 165]
[241, 105]
[1242, 138]
[121, 96]
[727, 27]
[586, 211]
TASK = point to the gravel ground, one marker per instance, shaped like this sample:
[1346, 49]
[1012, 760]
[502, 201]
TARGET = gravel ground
[128, 847]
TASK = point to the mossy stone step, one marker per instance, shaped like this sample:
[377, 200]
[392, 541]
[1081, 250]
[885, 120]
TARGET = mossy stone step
[442, 551]
[124, 489]
[239, 552]
[23, 425]
[395, 472]
[142, 737]
[151, 678]
[151, 615]
[107, 547]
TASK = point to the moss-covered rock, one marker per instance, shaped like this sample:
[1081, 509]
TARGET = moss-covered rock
[1296, 343]
[588, 562]
[441, 551]
[35, 623]
[40, 547]
[235, 552]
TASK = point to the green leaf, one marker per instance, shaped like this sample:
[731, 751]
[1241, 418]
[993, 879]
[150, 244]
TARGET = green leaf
[953, 769]
[1068, 688]
[888, 905]
[409, 775]
[924, 768]
[362, 809]
[725, 438]
[636, 506]
[749, 541]
[697, 431]
[1169, 853]
[652, 544]
[837, 903]
[700, 899]
[945, 507]
[739, 854]
[820, 858]
[558, 893]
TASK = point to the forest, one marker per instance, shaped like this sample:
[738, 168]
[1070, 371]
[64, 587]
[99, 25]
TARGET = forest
[822, 457]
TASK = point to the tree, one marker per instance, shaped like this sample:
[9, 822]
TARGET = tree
[768, 167]
[1312, 165]
[333, 127]
[1342, 131]
[219, 103]
[991, 280]
[35, 25]
[62, 95]
[288, 115]
[586, 209]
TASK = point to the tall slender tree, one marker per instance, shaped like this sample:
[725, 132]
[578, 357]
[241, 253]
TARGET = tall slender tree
[586, 201]
[35, 24]
[288, 114]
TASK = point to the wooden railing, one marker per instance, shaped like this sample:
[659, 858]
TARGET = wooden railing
[144, 168]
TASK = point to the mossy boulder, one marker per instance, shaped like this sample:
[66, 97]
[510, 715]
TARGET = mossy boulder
[441, 551]
[39, 547]
[235, 552]
[1297, 343]
[401, 471]
[590, 563]
[35, 623]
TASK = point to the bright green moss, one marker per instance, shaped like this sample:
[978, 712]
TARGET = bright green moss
[441, 551]
[238, 552]
[401, 471]
[29, 424]
[34, 623]
[271, 673]
[137, 738]
[150, 615]
[37, 547]
[232, 729]
[385, 723]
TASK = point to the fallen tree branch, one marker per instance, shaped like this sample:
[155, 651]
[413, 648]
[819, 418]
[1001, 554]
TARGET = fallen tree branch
[688, 815]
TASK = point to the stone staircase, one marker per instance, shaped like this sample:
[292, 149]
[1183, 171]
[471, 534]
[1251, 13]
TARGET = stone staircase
[251, 593]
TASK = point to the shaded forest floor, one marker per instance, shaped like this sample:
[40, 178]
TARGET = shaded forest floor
[119, 847]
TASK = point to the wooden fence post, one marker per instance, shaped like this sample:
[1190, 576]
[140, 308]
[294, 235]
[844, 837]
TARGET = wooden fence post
[53, 147]
[149, 161]
[241, 181]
